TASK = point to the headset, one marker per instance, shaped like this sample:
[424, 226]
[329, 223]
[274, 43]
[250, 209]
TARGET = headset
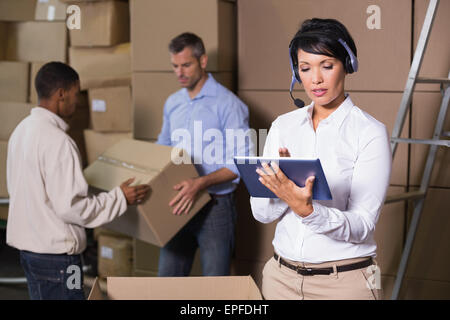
[351, 65]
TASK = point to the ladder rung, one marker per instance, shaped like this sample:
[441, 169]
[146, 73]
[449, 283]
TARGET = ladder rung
[432, 80]
[405, 196]
[445, 143]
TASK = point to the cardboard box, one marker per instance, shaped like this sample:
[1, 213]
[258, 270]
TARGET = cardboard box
[50, 10]
[37, 41]
[253, 238]
[3, 39]
[4, 212]
[115, 256]
[266, 27]
[425, 106]
[390, 233]
[3, 155]
[14, 81]
[78, 138]
[265, 106]
[34, 68]
[148, 163]
[150, 92]
[435, 62]
[146, 259]
[254, 269]
[104, 23]
[178, 288]
[111, 109]
[14, 112]
[155, 23]
[17, 10]
[98, 142]
[429, 259]
[102, 67]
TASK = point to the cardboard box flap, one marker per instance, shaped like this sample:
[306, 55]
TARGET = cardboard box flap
[183, 288]
[96, 292]
[126, 159]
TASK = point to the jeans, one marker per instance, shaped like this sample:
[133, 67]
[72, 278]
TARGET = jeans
[53, 276]
[212, 231]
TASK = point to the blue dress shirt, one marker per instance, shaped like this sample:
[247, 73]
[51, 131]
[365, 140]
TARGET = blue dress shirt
[212, 128]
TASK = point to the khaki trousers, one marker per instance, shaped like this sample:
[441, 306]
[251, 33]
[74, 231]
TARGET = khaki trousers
[281, 283]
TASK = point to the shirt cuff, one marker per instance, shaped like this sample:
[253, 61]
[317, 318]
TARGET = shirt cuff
[315, 218]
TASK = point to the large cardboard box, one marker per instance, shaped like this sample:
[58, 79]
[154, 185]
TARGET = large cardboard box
[98, 142]
[102, 67]
[37, 41]
[435, 62]
[155, 23]
[111, 109]
[3, 39]
[14, 81]
[11, 113]
[50, 10]
[390, 234]
[34, 68]
[425, 109]
[115, 256]
[151, 164]
[178, 288]
[146, 259]
[3, 155]
[266, 27]
[265, 106]
[104, 23]
[429, 259]
[17, 10]
[253, 238]
[4, 212]
[150, 91]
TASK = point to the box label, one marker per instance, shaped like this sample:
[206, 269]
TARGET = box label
[106, 252]
[51, 13]
[98, 105]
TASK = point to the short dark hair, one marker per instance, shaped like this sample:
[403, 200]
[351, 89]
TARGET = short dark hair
[321, 36]
[187, 39]
[52, 76]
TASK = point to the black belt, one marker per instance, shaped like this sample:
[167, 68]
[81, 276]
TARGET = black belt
[323, 271]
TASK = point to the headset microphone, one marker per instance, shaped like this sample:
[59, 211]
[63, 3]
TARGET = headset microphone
[298, 102]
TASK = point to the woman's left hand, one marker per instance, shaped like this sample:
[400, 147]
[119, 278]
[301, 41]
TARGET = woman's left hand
[298, 199]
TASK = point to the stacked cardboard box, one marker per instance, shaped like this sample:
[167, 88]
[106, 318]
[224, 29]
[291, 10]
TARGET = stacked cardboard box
[265, 28]
[28, 33]
[99, 52]
[153, 79]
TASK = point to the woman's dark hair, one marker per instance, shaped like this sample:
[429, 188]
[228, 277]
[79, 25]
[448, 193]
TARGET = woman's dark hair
[187, 39]
[321, 36]
[52, 76]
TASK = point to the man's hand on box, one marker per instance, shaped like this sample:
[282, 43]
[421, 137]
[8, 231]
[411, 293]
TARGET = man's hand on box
[187, 191]
[134, 194]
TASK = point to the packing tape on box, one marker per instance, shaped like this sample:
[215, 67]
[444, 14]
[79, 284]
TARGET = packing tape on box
[127, 165]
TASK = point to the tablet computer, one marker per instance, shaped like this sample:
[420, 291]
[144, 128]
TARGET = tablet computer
[297, 170]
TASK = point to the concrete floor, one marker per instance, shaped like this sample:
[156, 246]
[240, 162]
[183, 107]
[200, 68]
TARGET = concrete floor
[10, 268]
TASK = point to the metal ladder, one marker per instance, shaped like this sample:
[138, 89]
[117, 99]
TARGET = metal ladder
[437, 140]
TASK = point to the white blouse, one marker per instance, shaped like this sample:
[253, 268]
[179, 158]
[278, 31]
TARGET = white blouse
[355, 154]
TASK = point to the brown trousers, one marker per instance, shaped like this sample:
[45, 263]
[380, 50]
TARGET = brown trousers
[281, 283]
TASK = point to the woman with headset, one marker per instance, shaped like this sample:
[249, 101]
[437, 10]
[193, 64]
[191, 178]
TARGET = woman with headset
[325, 249]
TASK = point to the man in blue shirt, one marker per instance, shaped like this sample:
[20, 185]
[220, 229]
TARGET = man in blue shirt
[204, 118]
